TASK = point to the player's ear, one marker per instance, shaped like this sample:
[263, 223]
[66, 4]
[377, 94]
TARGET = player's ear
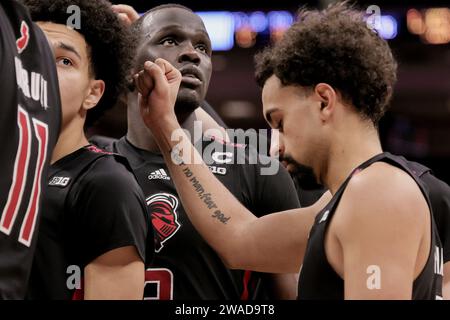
[95, 93]
[326, 97]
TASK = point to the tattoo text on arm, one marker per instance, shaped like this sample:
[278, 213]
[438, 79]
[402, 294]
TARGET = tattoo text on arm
[205, 196]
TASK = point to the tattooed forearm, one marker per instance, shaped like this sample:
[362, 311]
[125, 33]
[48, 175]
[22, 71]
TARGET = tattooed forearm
[205, 196]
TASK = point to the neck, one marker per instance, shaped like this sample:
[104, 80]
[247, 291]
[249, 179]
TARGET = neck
[71, 139]
[350, 149]
[140, 136]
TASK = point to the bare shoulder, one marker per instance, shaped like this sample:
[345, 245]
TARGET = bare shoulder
[382, 198]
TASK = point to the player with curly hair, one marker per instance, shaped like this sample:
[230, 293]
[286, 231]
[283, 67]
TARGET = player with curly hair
[93, 237]
[325, 86]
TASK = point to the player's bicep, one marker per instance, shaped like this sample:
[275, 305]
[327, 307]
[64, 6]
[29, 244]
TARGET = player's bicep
[118, 274]
[380, 241]
[377, 264]
[377, 276]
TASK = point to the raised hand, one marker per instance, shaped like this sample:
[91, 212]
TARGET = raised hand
[126, 13]
[158, 86]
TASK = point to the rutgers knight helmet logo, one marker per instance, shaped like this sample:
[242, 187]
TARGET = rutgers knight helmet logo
[163, 208]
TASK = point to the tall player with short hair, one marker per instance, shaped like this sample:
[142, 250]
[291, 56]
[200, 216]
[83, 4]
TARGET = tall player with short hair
[29, 123]
[128, 15]
[326, 85]
[94, 228]
[185, 267]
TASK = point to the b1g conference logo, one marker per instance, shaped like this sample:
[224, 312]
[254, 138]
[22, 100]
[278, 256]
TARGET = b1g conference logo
[163, 209]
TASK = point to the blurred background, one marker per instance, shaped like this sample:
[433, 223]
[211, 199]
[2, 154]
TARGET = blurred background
[418, 123]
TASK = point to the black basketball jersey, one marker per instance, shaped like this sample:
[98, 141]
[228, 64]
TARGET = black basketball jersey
[318, 280]
[185, 266]
[93, 205]
[439, 193]
[29, 124]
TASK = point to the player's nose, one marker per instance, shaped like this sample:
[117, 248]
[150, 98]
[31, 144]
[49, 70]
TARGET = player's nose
[189, 54]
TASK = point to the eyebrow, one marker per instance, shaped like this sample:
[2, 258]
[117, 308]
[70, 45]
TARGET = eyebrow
[269, 114]
[177, 27]
[68, 47]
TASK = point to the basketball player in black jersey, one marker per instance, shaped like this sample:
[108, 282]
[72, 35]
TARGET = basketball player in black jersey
[437, 189]
[29, 123]
[185, 267]
[326, 85]
[94, 228]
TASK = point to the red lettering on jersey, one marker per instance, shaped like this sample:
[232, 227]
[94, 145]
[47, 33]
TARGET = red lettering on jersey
[96, 149]
[246, 280]
[19, 178]
[163, 278]
[22, 42]
[16, 196]
[27, 229]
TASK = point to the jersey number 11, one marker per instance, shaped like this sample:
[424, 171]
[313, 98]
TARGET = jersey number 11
[16, 195]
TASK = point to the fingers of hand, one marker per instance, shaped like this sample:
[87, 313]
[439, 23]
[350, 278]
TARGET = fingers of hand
[126, 14]
[172, 77]
[127, 10]
[124, 18]
[157, 72]
[160, 77]
[143, 104]
[144, 83]
[172, 74]
[161, 63]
